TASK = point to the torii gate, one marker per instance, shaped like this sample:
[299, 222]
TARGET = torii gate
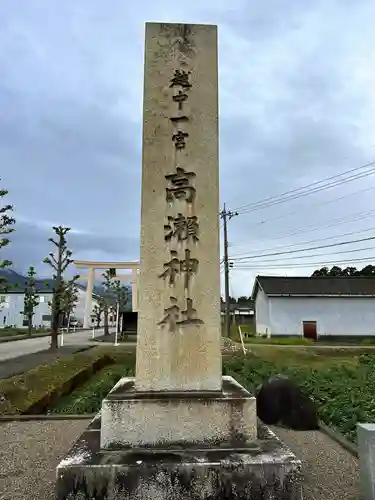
[92, 266]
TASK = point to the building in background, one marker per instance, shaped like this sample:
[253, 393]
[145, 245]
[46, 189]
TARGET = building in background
[12, 303]
[315, 307]
[241, 314]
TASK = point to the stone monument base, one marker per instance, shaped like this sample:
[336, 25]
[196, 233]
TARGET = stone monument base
[256, 470]
[157, 419]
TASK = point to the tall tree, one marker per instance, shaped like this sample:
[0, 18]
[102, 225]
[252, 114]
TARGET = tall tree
[59, 262]
[69, 300]
[98, 311]
[121, 297]
[31, 298]
[368, 270]
[108, 297]
[324, 271]
[6, 223]
[243, 299]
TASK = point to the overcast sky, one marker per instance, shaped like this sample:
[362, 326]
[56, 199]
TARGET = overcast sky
[297, 105]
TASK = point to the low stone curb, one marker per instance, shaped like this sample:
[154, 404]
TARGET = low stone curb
[339, 438]
[59, 416]
[36, 335]
[23, 337]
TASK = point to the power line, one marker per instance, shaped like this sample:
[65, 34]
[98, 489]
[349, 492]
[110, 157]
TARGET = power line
[309, 249]
[331, 223]
[305, 264]
[274, 261]
[350, 233]
[298, 192]
[320, 204]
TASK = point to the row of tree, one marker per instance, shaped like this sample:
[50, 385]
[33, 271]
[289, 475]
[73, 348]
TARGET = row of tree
[65, 291]
[241, 300]
[347, 271]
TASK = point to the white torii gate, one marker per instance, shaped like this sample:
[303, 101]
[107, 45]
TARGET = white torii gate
[92, 266]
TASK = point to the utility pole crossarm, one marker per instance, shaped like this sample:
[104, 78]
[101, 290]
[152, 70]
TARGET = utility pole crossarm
[226, 215]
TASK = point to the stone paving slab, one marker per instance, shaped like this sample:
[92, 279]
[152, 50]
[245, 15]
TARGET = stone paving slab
[15, 366]
[31, 451]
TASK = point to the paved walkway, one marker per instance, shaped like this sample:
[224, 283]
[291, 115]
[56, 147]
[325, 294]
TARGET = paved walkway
[18, 348]
[31, 451]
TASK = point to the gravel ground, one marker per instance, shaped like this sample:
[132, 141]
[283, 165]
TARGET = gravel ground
[330, 471]
[31, 451]
[29, 455]
[15, 366]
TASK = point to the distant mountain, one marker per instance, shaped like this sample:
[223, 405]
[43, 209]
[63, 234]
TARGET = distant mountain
[16, 281]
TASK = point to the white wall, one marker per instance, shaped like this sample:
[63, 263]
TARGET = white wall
[11, 310]
[12, 306]
[262, 319]
[334, 315]
[79, 310]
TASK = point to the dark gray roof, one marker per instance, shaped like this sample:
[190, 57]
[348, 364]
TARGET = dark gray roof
[315, 286]
[238, 307]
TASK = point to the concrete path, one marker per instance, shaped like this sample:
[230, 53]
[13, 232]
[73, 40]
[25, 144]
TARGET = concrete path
[31, 451]
[18, 348]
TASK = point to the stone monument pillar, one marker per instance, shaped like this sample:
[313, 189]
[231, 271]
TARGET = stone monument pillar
[179, 330]
[179, 430]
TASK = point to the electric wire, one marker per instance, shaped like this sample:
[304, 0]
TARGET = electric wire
[308, 249]
[308, 188]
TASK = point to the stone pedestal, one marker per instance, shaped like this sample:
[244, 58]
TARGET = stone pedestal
[256, 470]
[133, 418]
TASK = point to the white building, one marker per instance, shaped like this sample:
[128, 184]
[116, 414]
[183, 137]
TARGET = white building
[12, 305]
[315, 307]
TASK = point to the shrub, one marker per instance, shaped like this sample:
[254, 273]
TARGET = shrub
[21, 392]
[344, 395]
[88, 398]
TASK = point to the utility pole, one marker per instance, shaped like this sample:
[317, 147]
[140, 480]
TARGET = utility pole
[226, 215]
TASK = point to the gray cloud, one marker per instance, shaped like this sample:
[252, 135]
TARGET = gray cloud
[296, 105]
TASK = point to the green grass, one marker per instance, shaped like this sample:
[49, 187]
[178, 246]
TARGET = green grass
[278, 341]
[11, 332]
[22, 391]
[340, 381]
[88, 397]
[344, 392]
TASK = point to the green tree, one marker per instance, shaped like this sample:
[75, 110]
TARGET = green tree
[98, 311]
[31, 298]
[69, 300]
[243, 299]
[59, 263]
[108, 298]
[324, 271]
[121, 297]
[6, 223]
[367, 271]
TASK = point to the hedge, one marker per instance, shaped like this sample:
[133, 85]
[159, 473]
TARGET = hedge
[344, 394]
[21, 393]
[88, 398]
